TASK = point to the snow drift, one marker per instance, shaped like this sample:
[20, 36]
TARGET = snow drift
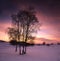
[35, 53]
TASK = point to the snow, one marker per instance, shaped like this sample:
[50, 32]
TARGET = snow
[35, 53]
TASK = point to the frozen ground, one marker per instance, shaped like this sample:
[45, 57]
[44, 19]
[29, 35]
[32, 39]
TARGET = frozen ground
[36, 53]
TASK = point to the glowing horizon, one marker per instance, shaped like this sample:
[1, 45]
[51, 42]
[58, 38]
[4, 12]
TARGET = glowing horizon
[40, 34]
[47, 12]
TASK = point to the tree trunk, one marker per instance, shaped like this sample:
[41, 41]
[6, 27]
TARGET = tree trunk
[24, 49]
[26, 36]
[19, 49]
[16, 49]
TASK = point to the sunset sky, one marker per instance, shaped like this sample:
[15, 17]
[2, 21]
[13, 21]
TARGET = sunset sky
[48, 13]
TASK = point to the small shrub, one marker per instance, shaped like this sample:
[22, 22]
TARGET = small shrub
[43, 43]
[48, 44]
[13, 42]
[58, 43]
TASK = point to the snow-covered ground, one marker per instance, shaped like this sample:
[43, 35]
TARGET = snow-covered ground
[35, 53]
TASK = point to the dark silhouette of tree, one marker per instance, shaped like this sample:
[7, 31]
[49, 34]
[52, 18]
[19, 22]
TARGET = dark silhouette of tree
[43, 43]
[13, 34]
[58, 43]
[13, 42]
[23, 25]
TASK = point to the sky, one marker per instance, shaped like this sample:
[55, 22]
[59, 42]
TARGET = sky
[48, 14]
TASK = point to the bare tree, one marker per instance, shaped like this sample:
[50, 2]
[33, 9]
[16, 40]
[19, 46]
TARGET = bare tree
[13, 34]
[24, 24]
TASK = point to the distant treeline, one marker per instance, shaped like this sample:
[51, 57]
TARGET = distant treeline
[30, 44]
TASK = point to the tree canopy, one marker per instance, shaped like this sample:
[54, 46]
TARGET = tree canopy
[24, 23]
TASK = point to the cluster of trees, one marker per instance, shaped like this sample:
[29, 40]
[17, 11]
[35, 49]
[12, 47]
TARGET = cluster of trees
[23, 25]
[58, 43]
[13, 42]
[47, 44]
